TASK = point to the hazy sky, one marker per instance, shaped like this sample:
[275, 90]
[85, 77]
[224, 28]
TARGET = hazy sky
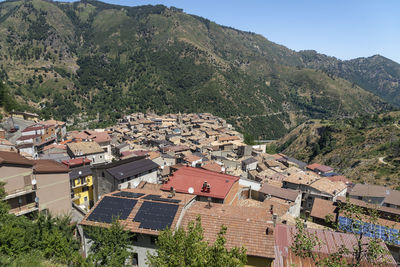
[342, 28]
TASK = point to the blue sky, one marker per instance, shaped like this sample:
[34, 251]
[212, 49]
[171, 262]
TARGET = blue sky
[342, 28]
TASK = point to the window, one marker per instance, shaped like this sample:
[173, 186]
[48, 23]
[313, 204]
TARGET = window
[85, 188]
[102, 174]
[153, 240]
[27, 180]
[360, 197]
[135, 259]
[133, 237]
[85, 199]
[83, 180]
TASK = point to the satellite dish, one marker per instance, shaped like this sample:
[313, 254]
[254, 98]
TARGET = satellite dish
[135, 184]
[191, 190]
[37, 199]
[80, 172]
[33, 181]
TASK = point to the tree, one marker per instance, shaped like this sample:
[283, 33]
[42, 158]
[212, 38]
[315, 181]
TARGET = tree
[109, 246]
[46, 237]
[248, 139]
[361, 223]
[187, 248]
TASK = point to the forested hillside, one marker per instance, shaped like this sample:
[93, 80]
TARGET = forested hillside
[83, 59]
[366, 149]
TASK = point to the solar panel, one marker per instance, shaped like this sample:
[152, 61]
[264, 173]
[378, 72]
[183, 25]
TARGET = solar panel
[128, 194]
[156, 216]
[111, 208]
[371, 230]
[159, 198]
[151, 197]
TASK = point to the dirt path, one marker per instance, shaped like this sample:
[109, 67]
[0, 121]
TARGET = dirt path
[382, 161]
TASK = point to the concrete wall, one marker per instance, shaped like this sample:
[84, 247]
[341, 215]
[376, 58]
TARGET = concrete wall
[107, 184]
[97, 158]
[13, 177]
[54, 193]
[103, 183]
[148, 177]
[296, 208]
[142, 246]
[250, 183]
[249, 167]
[373, 200]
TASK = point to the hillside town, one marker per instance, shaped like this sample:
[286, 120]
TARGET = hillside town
[154, 172]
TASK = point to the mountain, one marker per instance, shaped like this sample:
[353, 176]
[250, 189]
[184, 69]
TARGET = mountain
[377, 74]
[91, 61]
[365, 149]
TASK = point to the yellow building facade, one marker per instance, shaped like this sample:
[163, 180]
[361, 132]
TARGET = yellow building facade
[82, 186]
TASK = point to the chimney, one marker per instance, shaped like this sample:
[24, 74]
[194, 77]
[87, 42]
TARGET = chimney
[209, 202]
[274, 218]
[172, 192]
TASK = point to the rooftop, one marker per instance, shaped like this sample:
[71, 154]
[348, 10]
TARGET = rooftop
[283, 193]
[132, 168]
[327, 186]
[393, 198]
[80, 172]
[322, 208]
[212, 166]
[305, 178]
[14, 158]
[330, 243]
[367, 190]
[187, 177]
[85, 148]
[142, 197]
[318, 167]
[245, 227]
[249, 161]
[76, 162]
[49, 166]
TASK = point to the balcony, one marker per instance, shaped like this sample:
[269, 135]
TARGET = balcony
[20, 192]
[80, 185]
[74, 197]
[31, 207]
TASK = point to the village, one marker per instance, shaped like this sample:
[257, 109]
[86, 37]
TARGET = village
[156, 171]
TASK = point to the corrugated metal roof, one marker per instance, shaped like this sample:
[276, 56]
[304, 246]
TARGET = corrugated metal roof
[331, 241]
[132, 168]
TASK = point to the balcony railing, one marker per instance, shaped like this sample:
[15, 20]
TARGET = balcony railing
[24, 209]
[80, 185]
[20, 192]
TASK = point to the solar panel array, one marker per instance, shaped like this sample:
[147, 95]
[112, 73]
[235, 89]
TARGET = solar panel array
[159, 198]
[128, 194]
[156, 216]
[370, 230]
[111, 208]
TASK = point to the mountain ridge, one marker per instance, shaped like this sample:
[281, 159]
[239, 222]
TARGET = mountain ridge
[76, 60]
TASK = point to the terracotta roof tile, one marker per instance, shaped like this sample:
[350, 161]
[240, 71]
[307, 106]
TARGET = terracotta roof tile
[49, 166]
[187, 177]
[132, 226]
[14, 158]
[330, 242]
[245, 227]
[321, 208]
